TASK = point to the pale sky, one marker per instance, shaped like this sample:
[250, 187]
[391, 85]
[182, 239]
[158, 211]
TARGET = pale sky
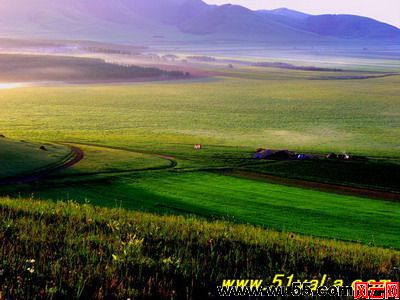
[383, 10]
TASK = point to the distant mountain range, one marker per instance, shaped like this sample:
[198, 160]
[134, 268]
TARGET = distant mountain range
[180, 20]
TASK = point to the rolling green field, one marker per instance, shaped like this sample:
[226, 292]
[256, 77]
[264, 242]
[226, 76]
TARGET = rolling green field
[213, 196]
[138, 142]
[358, 116]
[231, 116]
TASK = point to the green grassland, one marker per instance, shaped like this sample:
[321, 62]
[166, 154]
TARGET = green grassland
[22, 157]
[116, 254]
[138, 142]
[238, 200]
[359, 116]
[231, 116]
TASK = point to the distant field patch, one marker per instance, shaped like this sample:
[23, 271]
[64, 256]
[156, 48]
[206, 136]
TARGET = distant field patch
[280, 111]
[375, 174]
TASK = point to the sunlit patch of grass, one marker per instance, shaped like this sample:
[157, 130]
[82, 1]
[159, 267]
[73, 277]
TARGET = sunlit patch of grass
[102, 159]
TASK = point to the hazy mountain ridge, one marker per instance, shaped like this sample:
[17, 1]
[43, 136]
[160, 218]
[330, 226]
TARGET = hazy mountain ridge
[285, 12]
[128, 20]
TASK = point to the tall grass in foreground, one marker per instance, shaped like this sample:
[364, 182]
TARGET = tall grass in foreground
[65, 250]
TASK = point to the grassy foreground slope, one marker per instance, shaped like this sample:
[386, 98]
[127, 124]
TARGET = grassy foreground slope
[66, 250]
[211, 196]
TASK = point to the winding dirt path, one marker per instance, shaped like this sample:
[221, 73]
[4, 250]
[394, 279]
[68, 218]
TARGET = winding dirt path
[171, 159]
[73, 158]
[77, 155]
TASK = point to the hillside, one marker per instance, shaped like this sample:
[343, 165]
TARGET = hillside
[65, 250]
[20, 157]
[134, 21]
[348, 26]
